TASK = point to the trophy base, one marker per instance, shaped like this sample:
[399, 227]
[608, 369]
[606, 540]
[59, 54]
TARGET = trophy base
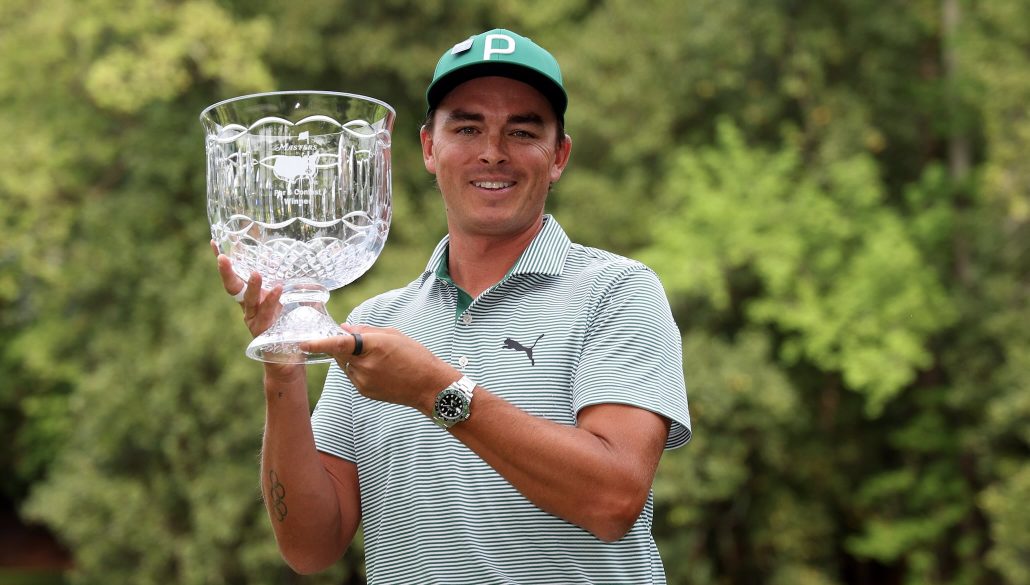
[303, 318]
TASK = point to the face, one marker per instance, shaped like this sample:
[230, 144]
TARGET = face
[492, 148]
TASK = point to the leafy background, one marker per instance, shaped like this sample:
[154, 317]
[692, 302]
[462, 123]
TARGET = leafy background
[834, 193]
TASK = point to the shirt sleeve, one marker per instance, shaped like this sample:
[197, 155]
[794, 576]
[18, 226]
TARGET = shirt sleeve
[633, 353]
[331, 420]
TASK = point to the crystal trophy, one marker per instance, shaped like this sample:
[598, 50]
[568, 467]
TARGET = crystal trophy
[298, 190]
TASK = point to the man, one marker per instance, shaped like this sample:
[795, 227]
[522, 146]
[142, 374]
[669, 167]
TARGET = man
[552, 372]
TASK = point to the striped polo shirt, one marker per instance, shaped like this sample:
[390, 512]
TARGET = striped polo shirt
[568, 327]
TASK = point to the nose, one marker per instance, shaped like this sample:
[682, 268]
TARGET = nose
[494, 151]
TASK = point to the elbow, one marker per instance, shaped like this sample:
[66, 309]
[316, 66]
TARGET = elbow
[307, 560]
[310, 549]
[617, 517]
[610, 534]
[612, 529]
[303, 569]
[305, 564]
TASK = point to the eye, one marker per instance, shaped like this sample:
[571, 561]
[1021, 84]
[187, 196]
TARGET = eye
[467, 130]
[523, 134]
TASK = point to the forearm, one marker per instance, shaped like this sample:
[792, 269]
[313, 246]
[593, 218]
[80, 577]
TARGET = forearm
[571, 472]
[299, 494]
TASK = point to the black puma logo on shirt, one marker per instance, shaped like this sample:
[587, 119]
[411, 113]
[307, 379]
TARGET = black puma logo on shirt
[510, 343]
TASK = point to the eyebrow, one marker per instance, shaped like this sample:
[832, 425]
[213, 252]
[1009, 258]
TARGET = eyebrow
[465, 116]
[529, 118]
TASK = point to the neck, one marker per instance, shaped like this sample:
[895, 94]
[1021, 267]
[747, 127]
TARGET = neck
[477, 262]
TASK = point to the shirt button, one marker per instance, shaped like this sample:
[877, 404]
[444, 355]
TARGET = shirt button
[466, 319]
[462, 362]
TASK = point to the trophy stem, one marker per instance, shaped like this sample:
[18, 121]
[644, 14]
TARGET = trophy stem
[303, 318]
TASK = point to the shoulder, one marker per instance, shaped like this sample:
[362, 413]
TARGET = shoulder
[595, 260]
[605, 269]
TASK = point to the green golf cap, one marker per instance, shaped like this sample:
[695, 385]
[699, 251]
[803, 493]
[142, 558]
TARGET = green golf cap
[503, 53]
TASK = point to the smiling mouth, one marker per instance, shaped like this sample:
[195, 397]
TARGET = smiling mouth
[494, 185]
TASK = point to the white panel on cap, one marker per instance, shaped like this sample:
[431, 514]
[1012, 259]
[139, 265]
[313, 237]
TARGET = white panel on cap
[462, 46]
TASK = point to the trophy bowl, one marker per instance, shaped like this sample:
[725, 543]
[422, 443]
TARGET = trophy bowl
[298, 190]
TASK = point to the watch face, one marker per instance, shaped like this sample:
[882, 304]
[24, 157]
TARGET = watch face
[450, 405]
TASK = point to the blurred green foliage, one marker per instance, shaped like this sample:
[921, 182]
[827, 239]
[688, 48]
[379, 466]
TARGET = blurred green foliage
[834, 194]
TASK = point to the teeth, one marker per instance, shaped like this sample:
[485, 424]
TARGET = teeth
[491, 184]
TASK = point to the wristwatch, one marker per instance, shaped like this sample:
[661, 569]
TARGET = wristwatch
[452, 403]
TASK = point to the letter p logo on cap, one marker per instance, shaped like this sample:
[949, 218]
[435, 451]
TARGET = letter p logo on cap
[489, 49]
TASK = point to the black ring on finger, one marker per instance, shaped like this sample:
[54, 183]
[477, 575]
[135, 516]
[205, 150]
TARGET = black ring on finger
[358, 344]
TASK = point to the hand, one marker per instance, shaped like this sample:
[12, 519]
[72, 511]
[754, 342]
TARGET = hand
[260, 310]
[260, 307]
[392, 367]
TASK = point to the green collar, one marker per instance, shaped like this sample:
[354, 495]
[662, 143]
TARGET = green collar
[464, 299]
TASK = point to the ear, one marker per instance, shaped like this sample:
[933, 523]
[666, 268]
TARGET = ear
[426, 136]
[561, 158]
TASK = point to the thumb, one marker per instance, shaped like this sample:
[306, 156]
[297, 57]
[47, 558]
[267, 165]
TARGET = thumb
[337, 345]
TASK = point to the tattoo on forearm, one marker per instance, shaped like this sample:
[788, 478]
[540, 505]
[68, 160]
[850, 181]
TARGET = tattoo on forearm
[276, 496]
